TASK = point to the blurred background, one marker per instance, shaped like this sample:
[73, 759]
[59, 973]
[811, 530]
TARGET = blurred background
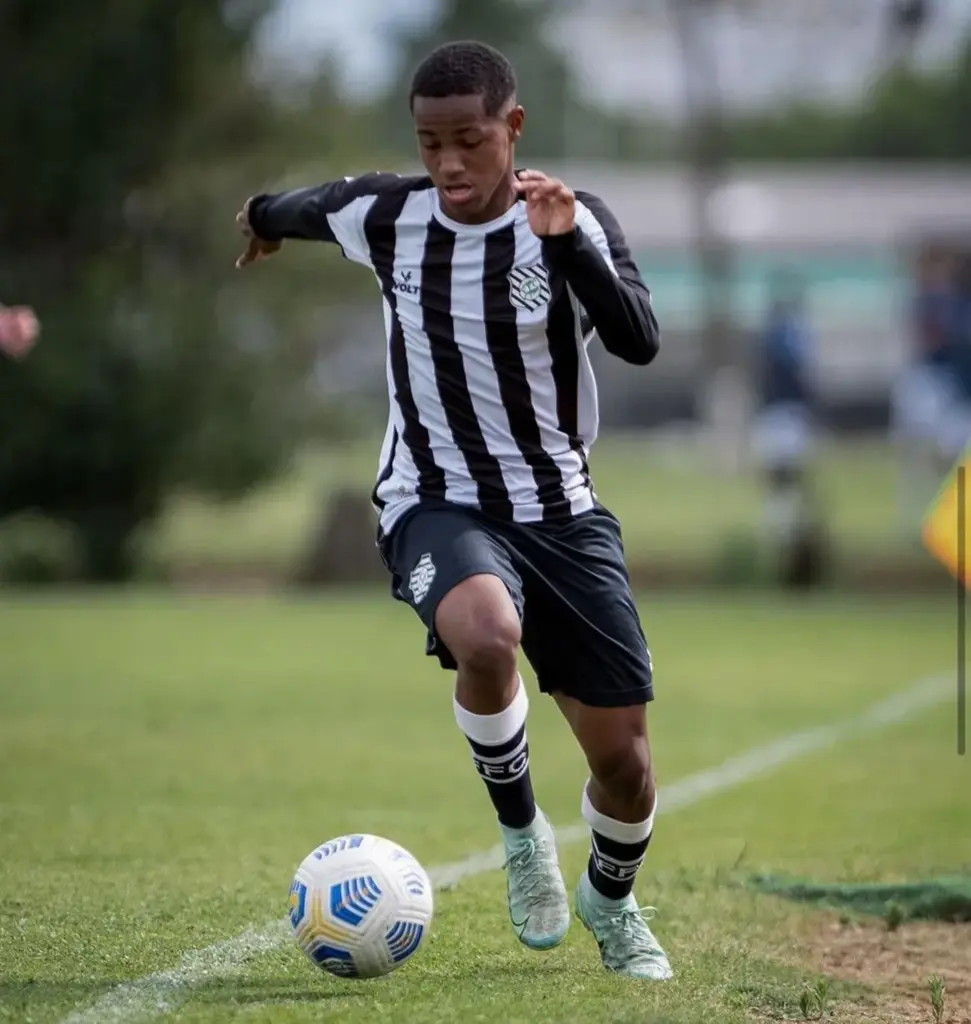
[794, 180]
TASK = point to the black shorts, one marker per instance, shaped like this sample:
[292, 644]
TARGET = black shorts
[568, 580]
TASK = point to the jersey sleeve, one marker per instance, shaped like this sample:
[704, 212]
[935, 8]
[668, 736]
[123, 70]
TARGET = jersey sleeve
[598, 266]
[332, 212]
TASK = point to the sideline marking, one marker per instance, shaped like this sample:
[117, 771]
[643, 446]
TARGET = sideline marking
[161, 993]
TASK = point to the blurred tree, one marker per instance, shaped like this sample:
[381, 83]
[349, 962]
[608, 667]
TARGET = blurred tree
[914, 115]
[129, 126]
[908, 115]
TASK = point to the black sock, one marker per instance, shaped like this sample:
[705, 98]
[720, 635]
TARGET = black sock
[613, 866]
[500, 752]
[504, 769]
[617, 849]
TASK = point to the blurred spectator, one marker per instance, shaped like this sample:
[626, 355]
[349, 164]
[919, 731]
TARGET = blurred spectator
[783, 436]
[18, 330]
[783, 427]
[931, 416]
[962, 335]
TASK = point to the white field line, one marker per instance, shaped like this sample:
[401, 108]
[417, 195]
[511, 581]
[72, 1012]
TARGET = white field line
[161, 993]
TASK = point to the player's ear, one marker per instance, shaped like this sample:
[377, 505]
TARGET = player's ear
[514, 120]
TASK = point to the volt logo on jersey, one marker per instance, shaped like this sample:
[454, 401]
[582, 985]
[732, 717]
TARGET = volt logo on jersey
[404, 284]
[529, 287]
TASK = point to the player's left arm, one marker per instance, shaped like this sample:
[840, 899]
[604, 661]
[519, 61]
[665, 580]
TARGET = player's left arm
[583, 241]
[333, 212]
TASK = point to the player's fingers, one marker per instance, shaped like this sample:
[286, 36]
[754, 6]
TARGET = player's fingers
[532, 186]
[257, 250]
[539, 189]
[552, 185]
[545, 192]
[557, 192]
[250, 255]
[545, 182]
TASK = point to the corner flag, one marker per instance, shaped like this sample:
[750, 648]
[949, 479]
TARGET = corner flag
[947, 524]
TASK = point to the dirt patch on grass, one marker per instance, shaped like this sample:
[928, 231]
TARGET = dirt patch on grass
[896, 966]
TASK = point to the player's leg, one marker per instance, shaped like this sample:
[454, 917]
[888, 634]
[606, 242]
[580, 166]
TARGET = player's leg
[619, 803]
[793, 520]
[479, 623]
[460, 580]
[784, 501]
[782, 447]
[583, 636]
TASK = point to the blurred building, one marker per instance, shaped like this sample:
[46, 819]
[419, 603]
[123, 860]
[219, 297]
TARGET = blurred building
[847, 231]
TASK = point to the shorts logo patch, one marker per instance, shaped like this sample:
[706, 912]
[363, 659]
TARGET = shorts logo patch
[422, 577]
[529, 287]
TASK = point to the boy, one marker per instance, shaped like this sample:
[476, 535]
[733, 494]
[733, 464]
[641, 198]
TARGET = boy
[488, 523]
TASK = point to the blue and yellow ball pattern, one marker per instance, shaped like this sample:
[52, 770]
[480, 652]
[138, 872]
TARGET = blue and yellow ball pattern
[360, 906]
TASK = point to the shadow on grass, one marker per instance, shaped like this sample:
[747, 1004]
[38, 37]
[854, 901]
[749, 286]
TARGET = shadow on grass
[20, 998]
[311, 989]
[277, 993]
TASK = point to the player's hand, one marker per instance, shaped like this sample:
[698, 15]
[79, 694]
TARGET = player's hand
[550, 205]
[256, 248]
[18, 330]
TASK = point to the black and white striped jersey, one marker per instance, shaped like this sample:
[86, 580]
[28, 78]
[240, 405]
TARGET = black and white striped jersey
[493, 402]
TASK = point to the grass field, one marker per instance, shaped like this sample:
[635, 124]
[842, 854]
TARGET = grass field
[165, 764]
[666, 495]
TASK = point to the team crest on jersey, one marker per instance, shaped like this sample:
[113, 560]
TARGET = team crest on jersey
[422, 577]
[529, 287]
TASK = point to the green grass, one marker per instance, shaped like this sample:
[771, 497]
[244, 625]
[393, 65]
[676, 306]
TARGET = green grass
[165, 764]
[668, 500]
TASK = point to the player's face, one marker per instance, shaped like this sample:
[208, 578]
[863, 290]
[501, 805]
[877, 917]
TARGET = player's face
[468, 155]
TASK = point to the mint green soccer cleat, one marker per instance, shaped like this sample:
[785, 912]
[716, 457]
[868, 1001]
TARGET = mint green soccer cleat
[538, 905]
[627, 945]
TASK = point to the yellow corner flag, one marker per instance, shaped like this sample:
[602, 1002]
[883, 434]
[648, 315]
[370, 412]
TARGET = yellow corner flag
[947, 516]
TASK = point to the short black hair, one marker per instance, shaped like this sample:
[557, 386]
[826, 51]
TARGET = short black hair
[466, 69]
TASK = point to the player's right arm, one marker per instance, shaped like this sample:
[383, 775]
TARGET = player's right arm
[332, 212]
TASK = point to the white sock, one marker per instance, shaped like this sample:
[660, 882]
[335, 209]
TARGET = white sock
[500, 752]
[494, 730]
[617, 850]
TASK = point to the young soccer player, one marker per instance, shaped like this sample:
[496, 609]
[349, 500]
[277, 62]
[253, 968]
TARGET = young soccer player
[488, 521]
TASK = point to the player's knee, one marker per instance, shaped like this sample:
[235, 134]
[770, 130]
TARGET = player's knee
[626, 773]
[480, 625]
[490, 647]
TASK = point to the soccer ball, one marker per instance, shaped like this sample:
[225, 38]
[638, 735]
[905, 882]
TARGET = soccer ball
[360, 906]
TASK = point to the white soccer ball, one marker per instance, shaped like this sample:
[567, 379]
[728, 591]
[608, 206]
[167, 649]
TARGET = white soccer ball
[360, 906]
